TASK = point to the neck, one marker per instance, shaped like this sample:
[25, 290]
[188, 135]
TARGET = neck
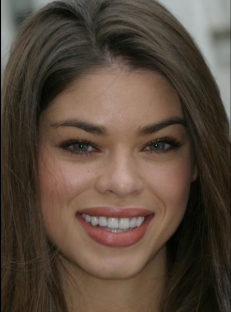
[142, 292]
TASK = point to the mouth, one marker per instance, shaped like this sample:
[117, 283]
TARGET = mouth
[114, 227]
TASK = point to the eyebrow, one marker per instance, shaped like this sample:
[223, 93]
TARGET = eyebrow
[100, 130]
[88, 127]
[161, 125]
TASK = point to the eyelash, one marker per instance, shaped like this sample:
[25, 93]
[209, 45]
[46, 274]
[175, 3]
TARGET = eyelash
[68, 144]
[172, 142]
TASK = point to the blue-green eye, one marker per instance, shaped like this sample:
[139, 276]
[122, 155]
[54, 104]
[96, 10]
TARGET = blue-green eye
[162, 145]
[158, 146]
[81, 147]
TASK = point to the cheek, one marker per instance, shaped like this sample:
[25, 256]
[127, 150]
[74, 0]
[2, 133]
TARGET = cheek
[170, 187]
[60, 183]
[171, 183]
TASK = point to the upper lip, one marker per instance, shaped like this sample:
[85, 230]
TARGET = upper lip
[116, 212]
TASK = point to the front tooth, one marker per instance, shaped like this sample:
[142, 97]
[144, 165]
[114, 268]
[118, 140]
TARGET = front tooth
[88, 218]
[94, 221]
[123, 223]
[132, 222]
[113, 223]
[139, 221]
[102, 221]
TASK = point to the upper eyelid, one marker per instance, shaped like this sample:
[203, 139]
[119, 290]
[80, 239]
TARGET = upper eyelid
[73, 142]
[169, 140]
[70, 142]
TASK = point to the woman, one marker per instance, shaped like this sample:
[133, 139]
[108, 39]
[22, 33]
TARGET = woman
[115, 165]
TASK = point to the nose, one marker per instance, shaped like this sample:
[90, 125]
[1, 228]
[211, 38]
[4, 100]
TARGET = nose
[120, 175]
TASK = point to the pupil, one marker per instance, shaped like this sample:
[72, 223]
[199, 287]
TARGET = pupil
[159, 146]
[81, 146]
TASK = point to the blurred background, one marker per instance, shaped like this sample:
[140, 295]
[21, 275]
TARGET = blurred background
[208, 21]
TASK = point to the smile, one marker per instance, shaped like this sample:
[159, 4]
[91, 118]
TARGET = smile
[115, 227]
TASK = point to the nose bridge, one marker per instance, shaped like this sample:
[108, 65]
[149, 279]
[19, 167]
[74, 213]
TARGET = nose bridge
[122, 166]
[120, 174]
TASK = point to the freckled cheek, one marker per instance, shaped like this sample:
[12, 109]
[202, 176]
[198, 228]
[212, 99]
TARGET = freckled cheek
[61, 182]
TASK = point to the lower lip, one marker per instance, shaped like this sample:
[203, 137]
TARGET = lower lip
[110, 239]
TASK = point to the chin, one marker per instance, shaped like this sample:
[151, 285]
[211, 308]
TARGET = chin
[117, 263]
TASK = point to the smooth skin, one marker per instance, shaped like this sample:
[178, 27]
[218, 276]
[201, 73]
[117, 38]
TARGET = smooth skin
[120, 167]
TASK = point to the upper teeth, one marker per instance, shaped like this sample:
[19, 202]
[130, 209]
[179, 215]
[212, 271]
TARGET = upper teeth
[114, 223]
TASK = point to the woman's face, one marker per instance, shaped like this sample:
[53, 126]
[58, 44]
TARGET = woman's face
[114, 150]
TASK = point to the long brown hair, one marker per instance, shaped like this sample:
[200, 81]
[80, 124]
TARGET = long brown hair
[54, 47]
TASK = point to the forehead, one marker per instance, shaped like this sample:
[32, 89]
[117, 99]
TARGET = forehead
[117, 96]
